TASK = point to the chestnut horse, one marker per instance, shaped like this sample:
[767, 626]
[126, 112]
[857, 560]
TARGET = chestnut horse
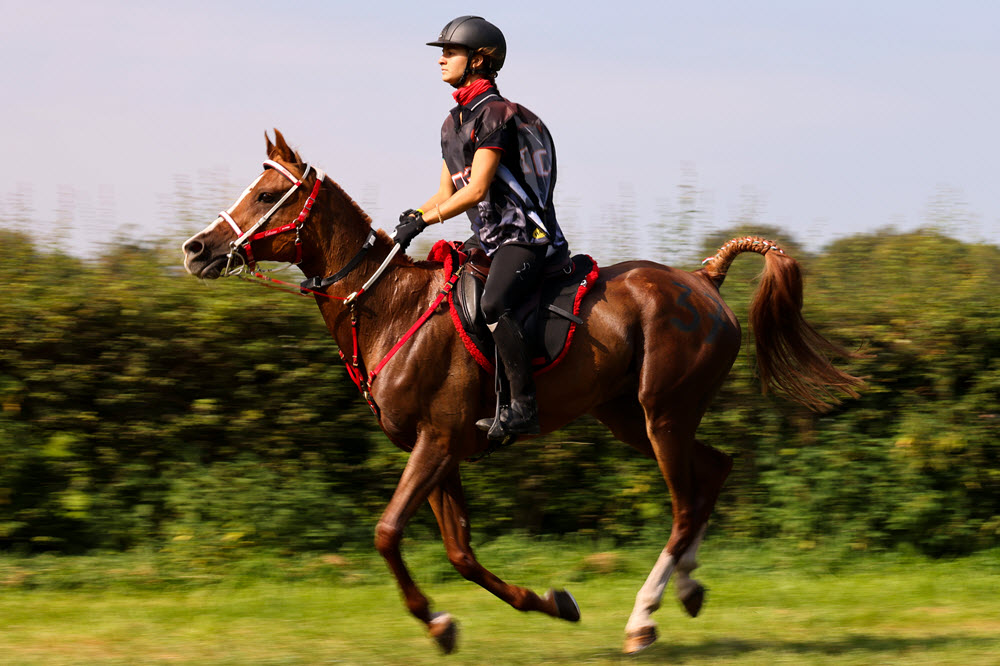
[656, 345]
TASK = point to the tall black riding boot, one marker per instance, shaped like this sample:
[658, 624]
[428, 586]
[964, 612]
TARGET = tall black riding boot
[521, 416]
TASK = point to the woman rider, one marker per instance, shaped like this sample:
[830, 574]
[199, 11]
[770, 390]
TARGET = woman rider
[492, 173]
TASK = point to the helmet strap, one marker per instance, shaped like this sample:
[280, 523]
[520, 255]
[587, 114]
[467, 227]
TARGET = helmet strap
[485, 71]
[468, 69]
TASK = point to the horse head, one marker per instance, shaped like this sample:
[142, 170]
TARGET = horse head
[265, 221]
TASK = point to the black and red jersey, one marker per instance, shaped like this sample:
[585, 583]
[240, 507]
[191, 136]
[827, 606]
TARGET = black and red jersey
[518, 206]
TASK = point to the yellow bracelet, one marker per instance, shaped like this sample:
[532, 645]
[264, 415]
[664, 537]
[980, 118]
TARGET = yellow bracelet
[420, 211]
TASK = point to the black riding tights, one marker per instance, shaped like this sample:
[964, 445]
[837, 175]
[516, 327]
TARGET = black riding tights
[514, 272]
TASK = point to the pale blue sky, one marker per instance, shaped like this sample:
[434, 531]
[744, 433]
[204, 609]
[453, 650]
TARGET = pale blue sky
[824, 118]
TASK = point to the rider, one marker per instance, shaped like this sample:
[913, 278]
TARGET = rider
[488, 174]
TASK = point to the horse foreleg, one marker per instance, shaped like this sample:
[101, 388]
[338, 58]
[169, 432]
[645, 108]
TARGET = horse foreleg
[448, 503]
[427, 466]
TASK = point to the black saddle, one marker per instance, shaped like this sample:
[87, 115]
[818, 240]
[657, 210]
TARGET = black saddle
[546, 316]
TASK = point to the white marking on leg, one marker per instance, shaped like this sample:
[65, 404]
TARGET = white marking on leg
[441, 618]
[688, 562]
[651, 592]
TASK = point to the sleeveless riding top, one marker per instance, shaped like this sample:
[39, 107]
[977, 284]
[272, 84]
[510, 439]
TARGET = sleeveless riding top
[518, 207]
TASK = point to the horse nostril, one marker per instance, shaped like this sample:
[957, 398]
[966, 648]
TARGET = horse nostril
[192, 247]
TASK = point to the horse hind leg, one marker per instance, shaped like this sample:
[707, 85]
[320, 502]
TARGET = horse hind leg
[711, 468]
[627, 421]
[690, 592]
[640, 631]
[449, 506]
[694, 474]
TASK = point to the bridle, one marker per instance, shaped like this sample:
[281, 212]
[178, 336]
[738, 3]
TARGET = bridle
[245, 238]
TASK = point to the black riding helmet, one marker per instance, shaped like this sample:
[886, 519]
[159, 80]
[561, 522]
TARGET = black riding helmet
[475, 33]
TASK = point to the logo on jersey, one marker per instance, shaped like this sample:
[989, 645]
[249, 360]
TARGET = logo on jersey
[461, 179]
[537, 162]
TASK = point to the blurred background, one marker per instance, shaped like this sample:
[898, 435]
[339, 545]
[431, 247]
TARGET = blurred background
[141, 409]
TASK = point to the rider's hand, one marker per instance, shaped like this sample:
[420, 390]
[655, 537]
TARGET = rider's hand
[411, 223]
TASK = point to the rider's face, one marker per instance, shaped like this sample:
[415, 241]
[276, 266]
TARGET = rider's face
[452, 61]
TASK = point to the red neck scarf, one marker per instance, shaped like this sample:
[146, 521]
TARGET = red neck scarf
[466, 94]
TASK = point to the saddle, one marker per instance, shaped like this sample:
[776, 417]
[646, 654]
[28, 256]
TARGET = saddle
[549, 316]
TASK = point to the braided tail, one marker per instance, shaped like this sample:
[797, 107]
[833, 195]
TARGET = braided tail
[792, 357]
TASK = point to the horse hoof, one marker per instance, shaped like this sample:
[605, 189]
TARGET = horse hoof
[566, 605]
[639, 639]
[693, 600]
[444, 630]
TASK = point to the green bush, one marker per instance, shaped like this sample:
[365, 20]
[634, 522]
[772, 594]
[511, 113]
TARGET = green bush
[142, 409]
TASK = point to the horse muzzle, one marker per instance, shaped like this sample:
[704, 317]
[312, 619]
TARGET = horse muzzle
[203, 261]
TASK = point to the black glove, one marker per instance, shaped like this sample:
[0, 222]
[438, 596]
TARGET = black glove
[411, 223]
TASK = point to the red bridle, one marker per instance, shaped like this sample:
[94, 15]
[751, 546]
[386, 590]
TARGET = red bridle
[245, 238]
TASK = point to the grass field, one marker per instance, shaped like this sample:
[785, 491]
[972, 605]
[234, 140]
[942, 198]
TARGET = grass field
[764, 607]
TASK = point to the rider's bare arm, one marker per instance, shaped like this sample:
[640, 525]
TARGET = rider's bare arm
[449, 202]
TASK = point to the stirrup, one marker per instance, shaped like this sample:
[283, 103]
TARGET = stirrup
[488, 424]
[495, 431]
[493, 427]
[519, 418]
[499, 427]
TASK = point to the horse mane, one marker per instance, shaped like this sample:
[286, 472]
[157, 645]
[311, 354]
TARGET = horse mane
[353, 206]
[280, 150]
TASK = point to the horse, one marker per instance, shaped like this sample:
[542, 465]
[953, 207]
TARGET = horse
[656, 344]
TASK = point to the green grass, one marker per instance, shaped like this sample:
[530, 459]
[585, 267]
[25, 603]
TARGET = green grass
[765, 606]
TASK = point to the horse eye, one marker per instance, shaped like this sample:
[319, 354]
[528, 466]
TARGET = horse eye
[265, 197]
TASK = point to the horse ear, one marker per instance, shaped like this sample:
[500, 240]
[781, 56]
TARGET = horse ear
[281, 148]
[270, 146]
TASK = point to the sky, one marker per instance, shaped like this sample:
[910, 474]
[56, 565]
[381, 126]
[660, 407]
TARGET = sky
[824, 119]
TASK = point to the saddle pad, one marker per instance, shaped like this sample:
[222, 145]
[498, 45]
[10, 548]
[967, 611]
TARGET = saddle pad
[549, 333]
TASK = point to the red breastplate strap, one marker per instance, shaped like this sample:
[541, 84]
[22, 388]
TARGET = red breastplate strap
[354, 369]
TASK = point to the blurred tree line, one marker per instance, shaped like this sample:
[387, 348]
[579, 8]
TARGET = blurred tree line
[143, 409]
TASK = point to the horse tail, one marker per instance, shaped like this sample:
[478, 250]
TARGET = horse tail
[792, 357]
